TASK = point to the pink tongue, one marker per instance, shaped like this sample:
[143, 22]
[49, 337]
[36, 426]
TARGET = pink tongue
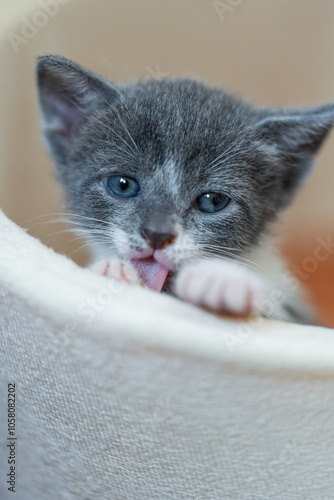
[153, 273]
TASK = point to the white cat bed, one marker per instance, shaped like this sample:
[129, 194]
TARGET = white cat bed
[122, 393]
[125, 393]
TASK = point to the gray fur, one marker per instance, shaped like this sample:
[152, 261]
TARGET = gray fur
[179, 138]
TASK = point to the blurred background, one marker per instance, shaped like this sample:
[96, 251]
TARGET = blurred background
[277, 53]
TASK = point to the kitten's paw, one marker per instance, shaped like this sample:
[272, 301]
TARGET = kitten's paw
[118, 270]
[221, 286]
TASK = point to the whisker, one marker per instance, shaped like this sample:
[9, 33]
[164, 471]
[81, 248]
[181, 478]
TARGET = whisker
[220, 247]
[69, 215]
[124, 141]
[246, 263]
[81, 247]
[223, 154]
[127, 131]
[224, 252]
[214, 164]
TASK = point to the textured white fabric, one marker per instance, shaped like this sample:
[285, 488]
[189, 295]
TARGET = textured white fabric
[149, 400]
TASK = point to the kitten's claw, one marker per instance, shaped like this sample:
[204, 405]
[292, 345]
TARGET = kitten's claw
[118, 270]
[221, 287]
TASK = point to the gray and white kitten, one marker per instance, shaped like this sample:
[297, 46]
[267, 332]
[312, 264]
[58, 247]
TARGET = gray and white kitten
[177, 183]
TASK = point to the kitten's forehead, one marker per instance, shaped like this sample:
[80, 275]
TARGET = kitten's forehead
[180, 123]
[169, 175]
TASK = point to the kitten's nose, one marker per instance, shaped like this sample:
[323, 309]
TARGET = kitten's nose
[157, 240]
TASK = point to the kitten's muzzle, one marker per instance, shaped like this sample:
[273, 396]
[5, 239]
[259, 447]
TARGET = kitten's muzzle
[157, 241]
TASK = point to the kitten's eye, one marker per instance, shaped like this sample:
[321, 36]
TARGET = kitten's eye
[123, 187]
[212, 202]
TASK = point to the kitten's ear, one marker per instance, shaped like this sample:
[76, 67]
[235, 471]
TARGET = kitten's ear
[296, 136]
[68, 94]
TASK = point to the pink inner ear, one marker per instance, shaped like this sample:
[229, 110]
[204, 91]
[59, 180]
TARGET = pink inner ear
[63, 117]
[153, 273]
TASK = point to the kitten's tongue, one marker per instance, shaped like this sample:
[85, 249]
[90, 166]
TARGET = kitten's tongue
[153, 273]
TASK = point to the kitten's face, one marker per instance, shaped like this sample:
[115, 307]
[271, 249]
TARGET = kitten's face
[174, 162]
[172, 167]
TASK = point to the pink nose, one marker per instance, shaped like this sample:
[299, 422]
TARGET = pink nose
[157, 240]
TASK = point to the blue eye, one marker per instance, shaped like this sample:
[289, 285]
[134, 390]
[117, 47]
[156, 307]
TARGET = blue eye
[123, 187]
[212, 202]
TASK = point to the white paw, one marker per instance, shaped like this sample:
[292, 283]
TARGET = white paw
[221, 286]
[117, 269]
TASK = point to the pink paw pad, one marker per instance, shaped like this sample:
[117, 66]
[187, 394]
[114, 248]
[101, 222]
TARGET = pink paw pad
[118, 270]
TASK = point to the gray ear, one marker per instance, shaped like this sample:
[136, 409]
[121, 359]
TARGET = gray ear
[296, 136]
[68, 95]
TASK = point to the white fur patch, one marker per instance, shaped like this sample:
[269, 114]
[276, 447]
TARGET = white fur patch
[221, 286]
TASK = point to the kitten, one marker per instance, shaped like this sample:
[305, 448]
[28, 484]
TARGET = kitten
[177, 183]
